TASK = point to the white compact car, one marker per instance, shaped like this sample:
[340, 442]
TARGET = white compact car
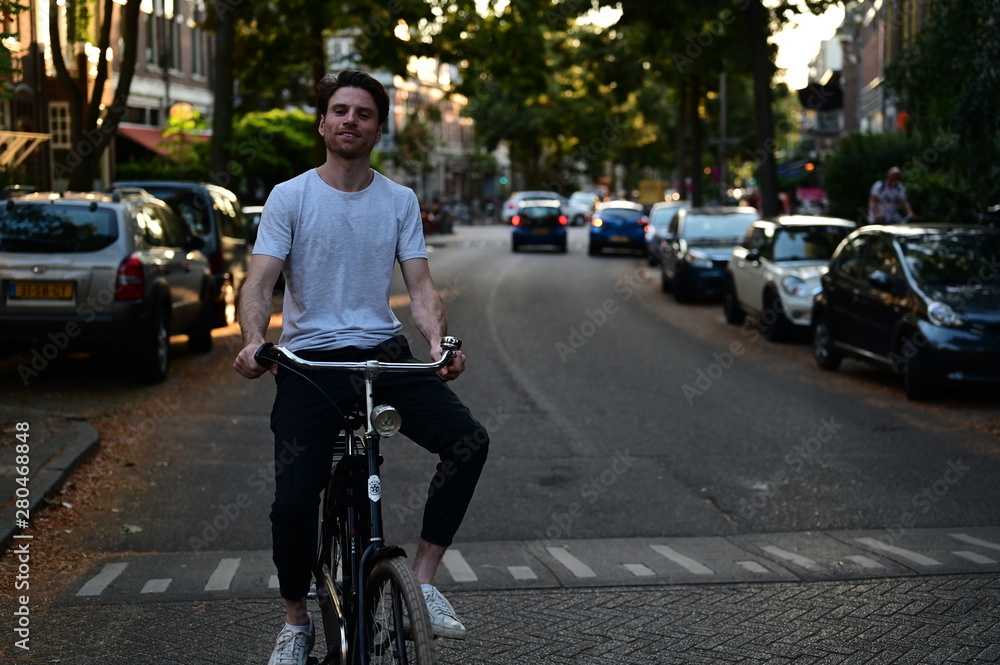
[774, 274]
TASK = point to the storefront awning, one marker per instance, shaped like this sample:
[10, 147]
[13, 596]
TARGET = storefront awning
[16, 146]
[152, 138]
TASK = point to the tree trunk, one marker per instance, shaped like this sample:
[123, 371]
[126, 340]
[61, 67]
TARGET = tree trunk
[763, 72]
[222, 113]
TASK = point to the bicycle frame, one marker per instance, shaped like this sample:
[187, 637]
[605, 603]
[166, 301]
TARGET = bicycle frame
[357, 559]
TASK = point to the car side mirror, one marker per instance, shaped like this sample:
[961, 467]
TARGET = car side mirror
[881, 280]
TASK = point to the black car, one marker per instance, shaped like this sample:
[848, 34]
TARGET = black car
[922, 299]
[214, 214]
[696, 250]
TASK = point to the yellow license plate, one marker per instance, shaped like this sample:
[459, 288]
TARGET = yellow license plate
[42, 291]
[619, 239]
[540, 232]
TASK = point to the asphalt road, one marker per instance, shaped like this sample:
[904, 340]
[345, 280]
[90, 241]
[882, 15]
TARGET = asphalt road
[635, 441]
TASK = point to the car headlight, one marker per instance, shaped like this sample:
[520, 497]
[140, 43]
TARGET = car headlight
[698, 260]
[794, 286]
[943, 315]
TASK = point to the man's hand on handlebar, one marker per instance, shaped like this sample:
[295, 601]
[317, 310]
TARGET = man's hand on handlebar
[452, 370]
[247, 365]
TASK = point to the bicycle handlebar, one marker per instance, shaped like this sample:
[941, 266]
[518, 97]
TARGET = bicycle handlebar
[269, 354]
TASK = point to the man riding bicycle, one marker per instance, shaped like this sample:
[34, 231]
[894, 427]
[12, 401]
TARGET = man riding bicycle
[885, 198]
[335, 233]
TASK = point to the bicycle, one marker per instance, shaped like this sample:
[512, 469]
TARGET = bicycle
[376, 613]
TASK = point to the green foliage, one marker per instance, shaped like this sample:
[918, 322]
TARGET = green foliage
[7, 69]
[859, 161]
[268, 148]
[948, 83]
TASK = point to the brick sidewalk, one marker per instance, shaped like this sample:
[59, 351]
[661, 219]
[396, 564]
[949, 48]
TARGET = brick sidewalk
[919, 621]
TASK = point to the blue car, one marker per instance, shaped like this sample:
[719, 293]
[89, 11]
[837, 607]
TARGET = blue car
[538, 223]
[618, 225]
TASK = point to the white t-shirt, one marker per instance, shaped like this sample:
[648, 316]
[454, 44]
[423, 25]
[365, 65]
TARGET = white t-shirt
[889, 199]
[339, 250]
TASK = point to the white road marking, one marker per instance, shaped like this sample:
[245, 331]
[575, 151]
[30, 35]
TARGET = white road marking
[975, 557]
[574, 565]
[752, 566]
[972, 540]
[458, 567]
[791, 557]
[638, 569]
[272, 582]
[156, 586]
[99, 582]
[522, 573]
[223, 575]
[916, 558]
[681, 560]
[864, 562]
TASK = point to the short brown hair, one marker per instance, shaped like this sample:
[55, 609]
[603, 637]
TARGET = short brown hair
[352, 78]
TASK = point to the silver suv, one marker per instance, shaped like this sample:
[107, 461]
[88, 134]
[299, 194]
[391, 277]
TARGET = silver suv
[95, 272]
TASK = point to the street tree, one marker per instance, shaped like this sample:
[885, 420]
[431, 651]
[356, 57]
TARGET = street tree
[91, 129]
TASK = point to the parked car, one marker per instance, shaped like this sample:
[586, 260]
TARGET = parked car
[98, 272]
[656, 231]
[774, 274]
[581, 206]
[539, 222]
[252, 213]
[922, 299]
[214, 214]
[618, 225]
[696, 251]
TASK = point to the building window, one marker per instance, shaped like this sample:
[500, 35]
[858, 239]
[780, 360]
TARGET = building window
[59, 124]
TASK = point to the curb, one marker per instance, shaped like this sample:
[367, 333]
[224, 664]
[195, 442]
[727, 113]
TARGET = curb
[80, 443]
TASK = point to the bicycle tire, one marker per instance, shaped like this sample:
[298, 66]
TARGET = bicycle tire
[392, 588]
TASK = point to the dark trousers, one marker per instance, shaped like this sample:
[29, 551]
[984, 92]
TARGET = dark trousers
[305, 425]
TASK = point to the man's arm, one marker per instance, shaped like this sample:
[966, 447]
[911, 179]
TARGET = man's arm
[255, 312]
[428, 313]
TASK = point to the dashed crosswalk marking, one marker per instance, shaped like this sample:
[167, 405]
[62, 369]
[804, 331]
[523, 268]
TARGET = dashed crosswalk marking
[752, 567]
[272, 582]
[572, 564]
[156, 586]
[864, 561]
[791, 557]
[639, 570]
[458, 567]
[975, 557]
[98, 583]
[909, 555]
[522, 572]
[685, 562]
[965, 538]
[223, 575]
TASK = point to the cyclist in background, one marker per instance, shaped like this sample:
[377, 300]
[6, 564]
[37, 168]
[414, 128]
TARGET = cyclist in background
[885, 198]
[336, 232]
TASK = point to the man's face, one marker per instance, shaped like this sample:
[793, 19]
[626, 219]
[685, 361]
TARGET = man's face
[350, 127]
[893, 178]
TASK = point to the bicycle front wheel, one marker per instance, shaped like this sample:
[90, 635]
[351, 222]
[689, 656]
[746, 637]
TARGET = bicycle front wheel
[399, 627]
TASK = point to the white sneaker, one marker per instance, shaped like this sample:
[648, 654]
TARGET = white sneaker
[293, 646]
[444, 623]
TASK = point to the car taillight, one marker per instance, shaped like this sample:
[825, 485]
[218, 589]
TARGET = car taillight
[516, 220]
[597, 221]
[643, 221]
[131, 281]
[563, 220]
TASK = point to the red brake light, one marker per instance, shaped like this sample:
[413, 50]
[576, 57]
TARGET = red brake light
[563, 220]
[643, 221]
[516, 220]
[130, 283]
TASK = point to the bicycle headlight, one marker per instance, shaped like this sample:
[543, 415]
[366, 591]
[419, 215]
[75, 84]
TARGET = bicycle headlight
[386, 420]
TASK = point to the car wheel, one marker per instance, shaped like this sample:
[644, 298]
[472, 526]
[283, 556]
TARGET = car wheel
[593, 250]
[683, 288]
[826, 355]
[200, 336]
[514, 246]
[665, 285]
[773, 321]
[153, 361]
[562, 248]
[731, 309]
[916, 378]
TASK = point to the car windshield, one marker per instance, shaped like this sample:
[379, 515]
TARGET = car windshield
[190, 206]
[717, 227]
[953, 259]
[619, 214]
[540, 214]
[808, 242]
[49, 229]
